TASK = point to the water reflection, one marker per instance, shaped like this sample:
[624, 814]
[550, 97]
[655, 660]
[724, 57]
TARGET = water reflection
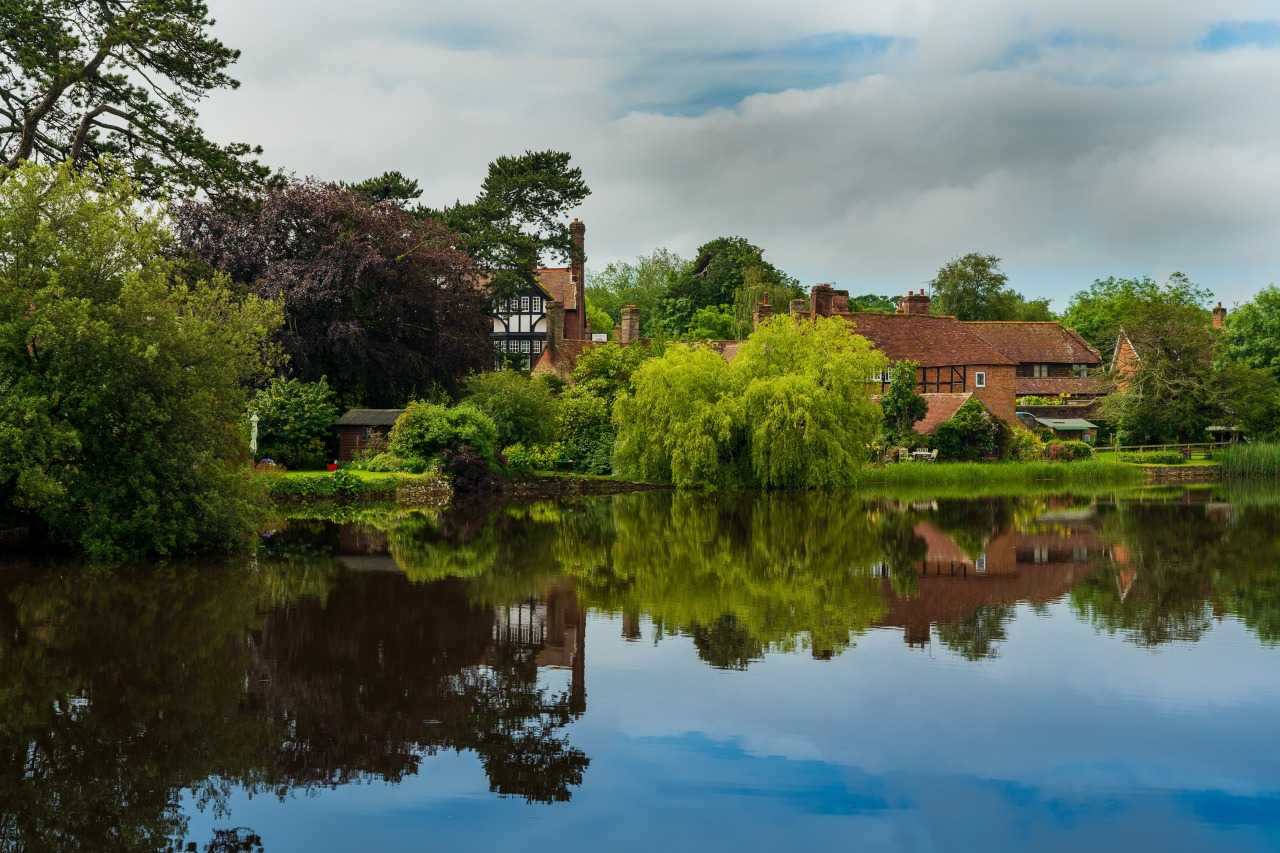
[358, 652]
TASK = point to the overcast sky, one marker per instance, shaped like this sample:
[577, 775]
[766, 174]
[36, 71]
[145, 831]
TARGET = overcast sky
[864, 143]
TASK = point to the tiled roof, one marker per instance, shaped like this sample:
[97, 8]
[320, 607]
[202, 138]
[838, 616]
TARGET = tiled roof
[1036, 343]
[558, 284]
[941, 408]
[1053, 386]
[931, 340]
[369, 417]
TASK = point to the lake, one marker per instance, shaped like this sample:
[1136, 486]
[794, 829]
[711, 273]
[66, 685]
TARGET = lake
[664, 672]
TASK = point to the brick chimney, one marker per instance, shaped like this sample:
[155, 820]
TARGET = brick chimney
[629, 328]
[914, 303]
[578, 276]
[555, 324]
[763, 310]
[1219, 316]
[821, 300]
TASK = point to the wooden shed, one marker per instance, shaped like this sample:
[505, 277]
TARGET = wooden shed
[360, 426]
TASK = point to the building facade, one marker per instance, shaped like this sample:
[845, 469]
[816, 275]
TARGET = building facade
[525, 324]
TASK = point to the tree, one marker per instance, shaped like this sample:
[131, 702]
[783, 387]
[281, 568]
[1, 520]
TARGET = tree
[523, 409]
[606, 370]
[1252, 333]
[901, 405]
[722, 268]
[122, 413]
[874, 303]
[1110, 304]
[598, 318]
[382, 303]
[426, 430]
[970, 434]
[295, 421]
[712, 324]
[974, 288]
[86, 81]
[389, 186]
[519, 216]
[642, 284]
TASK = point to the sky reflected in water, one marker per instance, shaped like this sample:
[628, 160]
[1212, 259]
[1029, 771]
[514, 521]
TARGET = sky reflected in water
[687, 673]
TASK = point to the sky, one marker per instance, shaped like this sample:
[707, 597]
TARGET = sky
[859, 143]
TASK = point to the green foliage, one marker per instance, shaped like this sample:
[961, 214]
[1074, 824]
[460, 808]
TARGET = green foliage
[598, 319]
[643, 284]
[722, 268]
[544, 457]
[90, 82]
[1249, 461]
[1068, 451]
[606, 370]
[519, 216]
[1154, 457]
[341, 485]
[965, 479]
[872, 302]
[1025, 445]
[974, 288]
[1039, 400]
[793, 409]
[389, 463]
[1252, 332]
[901, 405]
[712, 324]
[389, 186]
[523, 409]
[295, 421]
[123, 388]
[1110, 304]
[584, 431]
[426, 430]
[969, 435]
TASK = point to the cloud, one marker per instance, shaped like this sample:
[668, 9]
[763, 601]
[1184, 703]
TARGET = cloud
[861, 145]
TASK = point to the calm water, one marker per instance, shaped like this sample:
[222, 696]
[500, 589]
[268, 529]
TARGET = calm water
[658, 672]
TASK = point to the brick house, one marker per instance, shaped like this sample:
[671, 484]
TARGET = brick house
[1051, 360]
[524, 324]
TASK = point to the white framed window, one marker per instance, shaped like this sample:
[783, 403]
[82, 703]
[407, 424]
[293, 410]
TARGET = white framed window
[980, 379]
[524, 346]
[535, 304]
[1040, 371]
[980, 564]
[524, 303]
[537, 346]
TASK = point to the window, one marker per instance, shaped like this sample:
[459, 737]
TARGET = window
[537, 346]
[979, 379]
[1041, 371]
[536, 304]
[1080, 371]
[524, 346]
[980, 564]
[524, 304]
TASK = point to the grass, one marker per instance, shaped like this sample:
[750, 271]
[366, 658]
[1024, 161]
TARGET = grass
[1250, 462]
[347, 483]
[989, 474]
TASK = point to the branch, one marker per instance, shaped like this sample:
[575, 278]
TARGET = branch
[82, 132]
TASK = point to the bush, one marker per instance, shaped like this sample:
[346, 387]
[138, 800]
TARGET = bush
[390, 463]
[606, 370]
[295, 422]
[1025, 445]
[1154, 457]
[970, 434]
[426, 430]
[543, 457]
[523, 409]
[1068, 451]
[585, 431]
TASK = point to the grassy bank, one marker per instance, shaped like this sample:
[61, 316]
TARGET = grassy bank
[1250, 462]
[347, 483]
[986, 475]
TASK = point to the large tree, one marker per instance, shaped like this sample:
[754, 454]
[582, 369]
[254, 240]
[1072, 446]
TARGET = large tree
[1110, 304]
[122, 387]
[1253, 331]
[382, 303]
[520, 218]
[80, 81]
[642, 284]
[727, 271]
[974, 288]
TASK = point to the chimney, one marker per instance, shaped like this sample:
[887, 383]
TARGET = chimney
[820, 299]
[840, 302]
[914, 303]
[1219, 316]
[577, 276]
[555, 324]
[763, 310]
[629, 328]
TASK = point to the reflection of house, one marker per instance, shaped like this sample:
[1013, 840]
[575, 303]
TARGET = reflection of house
[952, 584]
[553, 628]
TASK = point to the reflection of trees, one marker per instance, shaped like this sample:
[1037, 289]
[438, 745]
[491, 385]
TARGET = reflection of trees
[975, 636]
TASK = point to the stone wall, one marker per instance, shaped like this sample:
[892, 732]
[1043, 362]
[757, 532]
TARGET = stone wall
[432, 491]
[555, 487]
[1166, 474]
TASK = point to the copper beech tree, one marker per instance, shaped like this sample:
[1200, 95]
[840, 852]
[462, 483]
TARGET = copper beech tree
[383, 303]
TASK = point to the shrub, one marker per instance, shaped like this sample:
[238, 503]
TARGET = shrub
[426, 430]
[295, 421]
[523, 409]
[1154, 457]
[543, 457]
[585, 432]
[1025, 445]
[901, 404]
[606, 370]
[390, 463]
[970, 434]
[1068, 451]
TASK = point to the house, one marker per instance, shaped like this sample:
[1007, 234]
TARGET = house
[560, 355]
[1052, 360]
[360, 427]
[525, 323]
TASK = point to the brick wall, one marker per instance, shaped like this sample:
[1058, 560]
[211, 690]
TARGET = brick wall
[998, 396]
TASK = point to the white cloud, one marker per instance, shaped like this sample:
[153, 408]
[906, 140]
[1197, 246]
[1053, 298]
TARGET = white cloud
[1074, 140]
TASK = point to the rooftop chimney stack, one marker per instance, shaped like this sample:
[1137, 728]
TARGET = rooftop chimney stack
[1219, 316]
[629, 327]
[763, 310]
[914, 303]
[578, 276]
[821, 300]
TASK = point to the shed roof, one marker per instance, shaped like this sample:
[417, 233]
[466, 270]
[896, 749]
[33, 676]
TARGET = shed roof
[933, 341]
[369, 417]
[1067, 424]
[1039, 342]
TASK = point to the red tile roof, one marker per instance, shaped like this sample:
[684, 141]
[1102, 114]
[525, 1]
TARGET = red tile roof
[1036, 343]
[1053, 386]
[933, 341]
[558, 284]
[561, 360]
[941, 408]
